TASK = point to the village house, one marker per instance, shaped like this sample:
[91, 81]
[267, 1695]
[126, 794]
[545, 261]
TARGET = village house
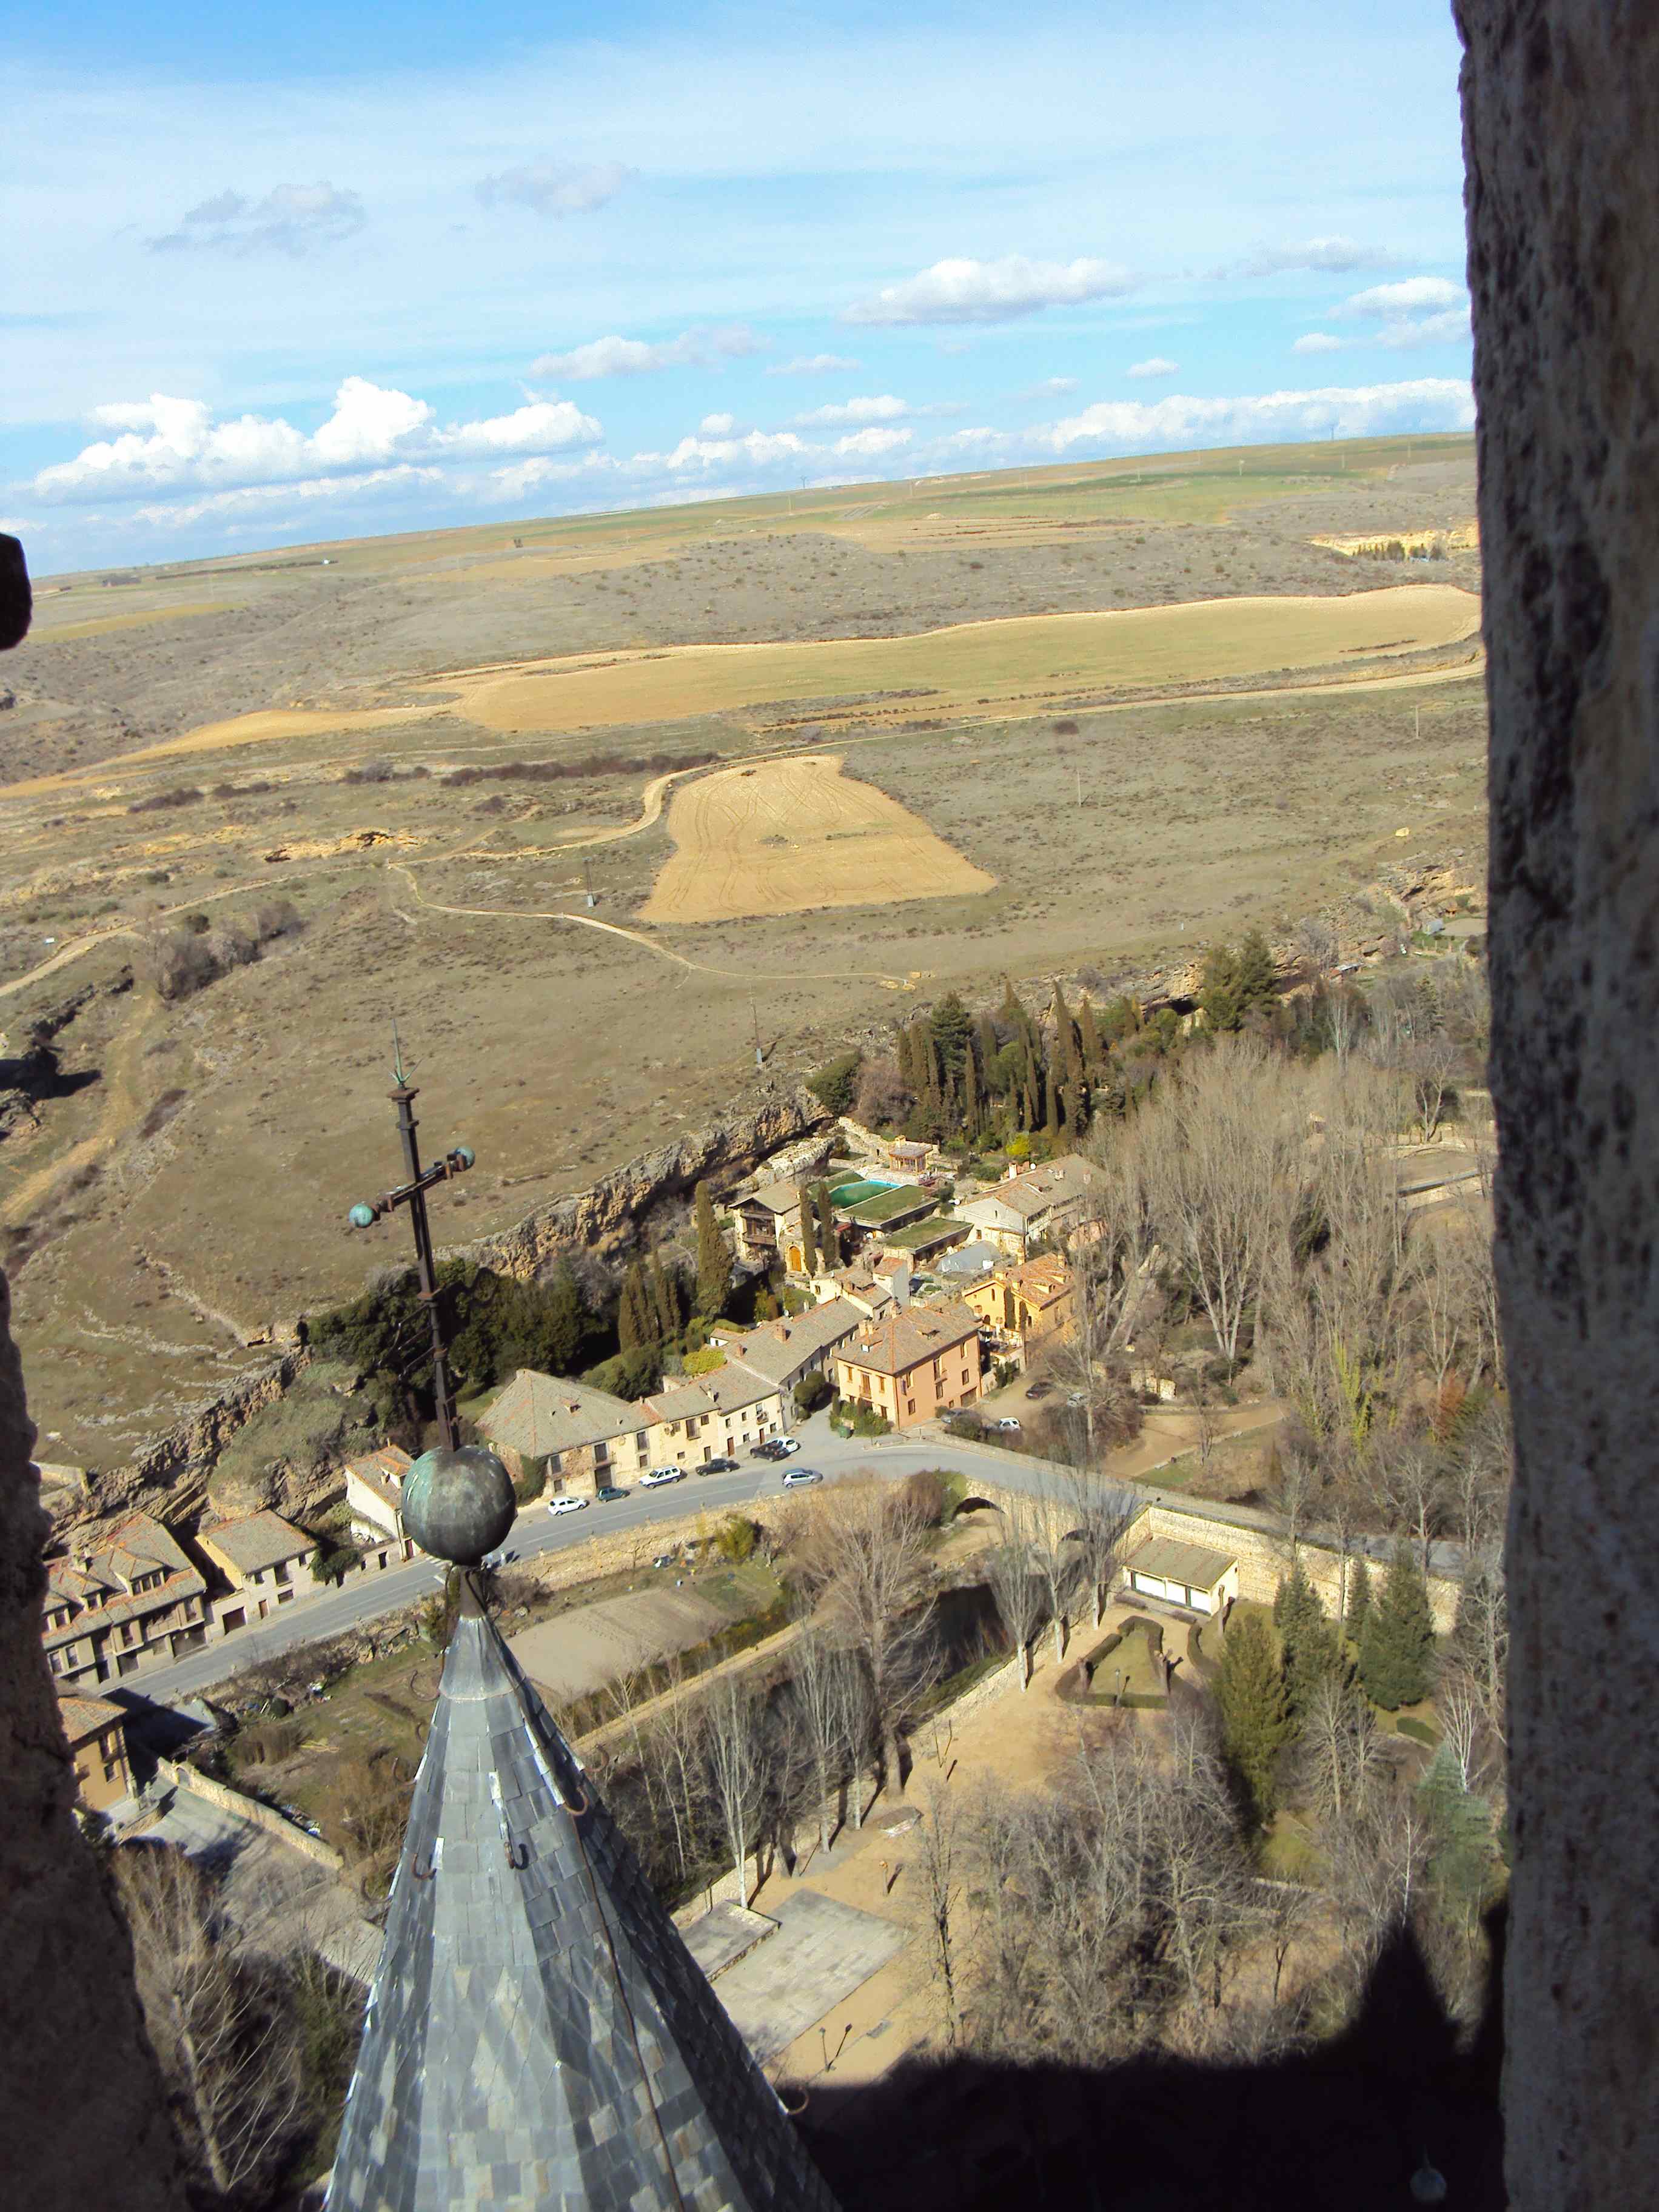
[865, 1288]
[785, 1352]
[266, 1561]
[1023, 1307]
[968, 1263]
[1186, 1575]
[767, 1225]
[95, 1731]
[131, 1599]
[1030, 1204]
[920, 1361]
[374, 1491]
[580, 1438]
[715, 1416]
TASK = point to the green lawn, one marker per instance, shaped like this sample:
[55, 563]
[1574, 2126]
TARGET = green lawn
[904, 1200]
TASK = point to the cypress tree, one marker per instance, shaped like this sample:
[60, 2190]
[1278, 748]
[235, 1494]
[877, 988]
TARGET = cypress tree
[713, 1257]
[809, 1242]
[1249, 1691]
[567, 1324]
[1396, 1650]
[988, 1045]
[973, 1096]
[829, 1235]
[1089, 1037]
[635, 1322]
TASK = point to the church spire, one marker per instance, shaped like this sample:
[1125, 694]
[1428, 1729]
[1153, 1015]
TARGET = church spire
[538, 2035]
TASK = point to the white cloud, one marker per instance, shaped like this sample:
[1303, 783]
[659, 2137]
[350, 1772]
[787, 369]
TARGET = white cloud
[1317, 342]
[165, 444]
[620, 357]
[293, 219]
[1368, 410]
[1051, 387]
[880, 407]
[814, 364]
[717, 426]
[1335, 256]
[512, 486]
[759, 448]
[991, 291]
[1157, 365]
[1412, 296]
[555, 188]
[867, 444]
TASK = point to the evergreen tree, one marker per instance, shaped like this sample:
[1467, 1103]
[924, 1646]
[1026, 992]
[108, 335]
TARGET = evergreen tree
[989, 1048]
[809, 1242]
[951, 1030]
[973, 1094]
[713, 1257]
[1359, 1599]
[1258, 987]
[665, 1298]
[1089, 1038]
[1310, 1645]
[1396, 1650]
[636, 1324]
[1219, 992]
[1249, 1691]
[567, 1324]
[1068, 1050]
[829, 1235]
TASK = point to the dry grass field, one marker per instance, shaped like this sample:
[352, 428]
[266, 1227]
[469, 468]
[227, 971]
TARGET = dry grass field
[182, 1179]
[788, 835]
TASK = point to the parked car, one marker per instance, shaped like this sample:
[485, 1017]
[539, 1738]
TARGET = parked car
[1039, 1389]
[608, 1494]
[794, 1475]
[717, 1467]
[1008, 1421]
[787, 1446]
[566, 1505]
[661, 1475]
[772, 1448]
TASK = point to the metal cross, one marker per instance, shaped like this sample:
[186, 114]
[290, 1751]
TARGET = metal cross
[412, 1194]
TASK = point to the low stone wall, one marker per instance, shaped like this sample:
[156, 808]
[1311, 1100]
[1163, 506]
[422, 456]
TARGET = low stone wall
[249, 1808]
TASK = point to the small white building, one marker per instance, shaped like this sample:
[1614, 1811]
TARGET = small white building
[1188, 1575]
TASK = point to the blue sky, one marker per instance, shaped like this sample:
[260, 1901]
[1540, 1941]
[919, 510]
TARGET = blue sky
[279, 273]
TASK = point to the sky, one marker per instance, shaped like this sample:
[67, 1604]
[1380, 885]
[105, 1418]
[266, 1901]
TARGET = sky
[285, 273]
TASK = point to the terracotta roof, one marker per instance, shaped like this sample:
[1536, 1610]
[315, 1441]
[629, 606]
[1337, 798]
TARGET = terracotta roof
[903, 1340]
[539, 1414]
[257, 1541]
[85, 1717]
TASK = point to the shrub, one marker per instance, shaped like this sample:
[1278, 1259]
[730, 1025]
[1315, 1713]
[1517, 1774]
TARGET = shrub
[158, 801]
[836, 1085]
[529, 1485]
[924, 1494]
[811, 1392]
[736, 1538]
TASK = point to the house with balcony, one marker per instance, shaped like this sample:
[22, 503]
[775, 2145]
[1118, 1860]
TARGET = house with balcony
[917, 1362]
[767, 1226]
[581, 1438]
[267, 1563]
[1022, 1307]
[125, 1600]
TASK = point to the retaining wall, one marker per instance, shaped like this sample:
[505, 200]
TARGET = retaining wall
[249, 1808]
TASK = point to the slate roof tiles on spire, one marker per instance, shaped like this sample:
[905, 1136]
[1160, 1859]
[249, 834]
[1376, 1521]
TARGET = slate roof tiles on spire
[538, 2034]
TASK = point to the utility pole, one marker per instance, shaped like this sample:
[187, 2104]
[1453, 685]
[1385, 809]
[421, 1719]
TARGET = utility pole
[587, 878]
[1077, 772]
[412, 1194]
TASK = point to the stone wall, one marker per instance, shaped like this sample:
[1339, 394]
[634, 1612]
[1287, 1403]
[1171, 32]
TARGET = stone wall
[243, 1808]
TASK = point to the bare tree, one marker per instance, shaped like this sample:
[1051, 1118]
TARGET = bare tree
[1339, 1751]
[1315, 945]
[1430, 1062]
[939, 1849]
[1460, 1716]
[867, 1550]
[1099, 1514]
[1012, 1576]
[735, 1750]
[825, 1714]
[224, 2037]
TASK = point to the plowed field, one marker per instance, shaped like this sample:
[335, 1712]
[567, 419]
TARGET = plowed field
[787, 835]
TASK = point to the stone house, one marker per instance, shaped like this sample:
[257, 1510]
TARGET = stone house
[785, 1352]
[374, 1488]
[95, 1731]
[1032, 1204]
[266, 1561]
[917, 1363]
[767, 1224]
[583, 1438]
[129, 1600]
[1023, 1307]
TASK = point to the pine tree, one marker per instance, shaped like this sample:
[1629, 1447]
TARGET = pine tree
[951, 1030]
[566, 1325]
[1249, 1691]
[829, 1235]
[809, 1242]
[713, 1257]
[1258, 986]
[1396, 1650]
[1359, 1600]
[1310, 1645]
[1219, 992]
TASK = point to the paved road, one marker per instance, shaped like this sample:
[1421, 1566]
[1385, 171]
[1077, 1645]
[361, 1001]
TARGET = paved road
[536, 1531]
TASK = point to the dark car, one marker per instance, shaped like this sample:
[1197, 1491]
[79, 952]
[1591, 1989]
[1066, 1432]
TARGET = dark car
[717, 1467]
[769, 1450]
[608, 1493]
[1039, 1389]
